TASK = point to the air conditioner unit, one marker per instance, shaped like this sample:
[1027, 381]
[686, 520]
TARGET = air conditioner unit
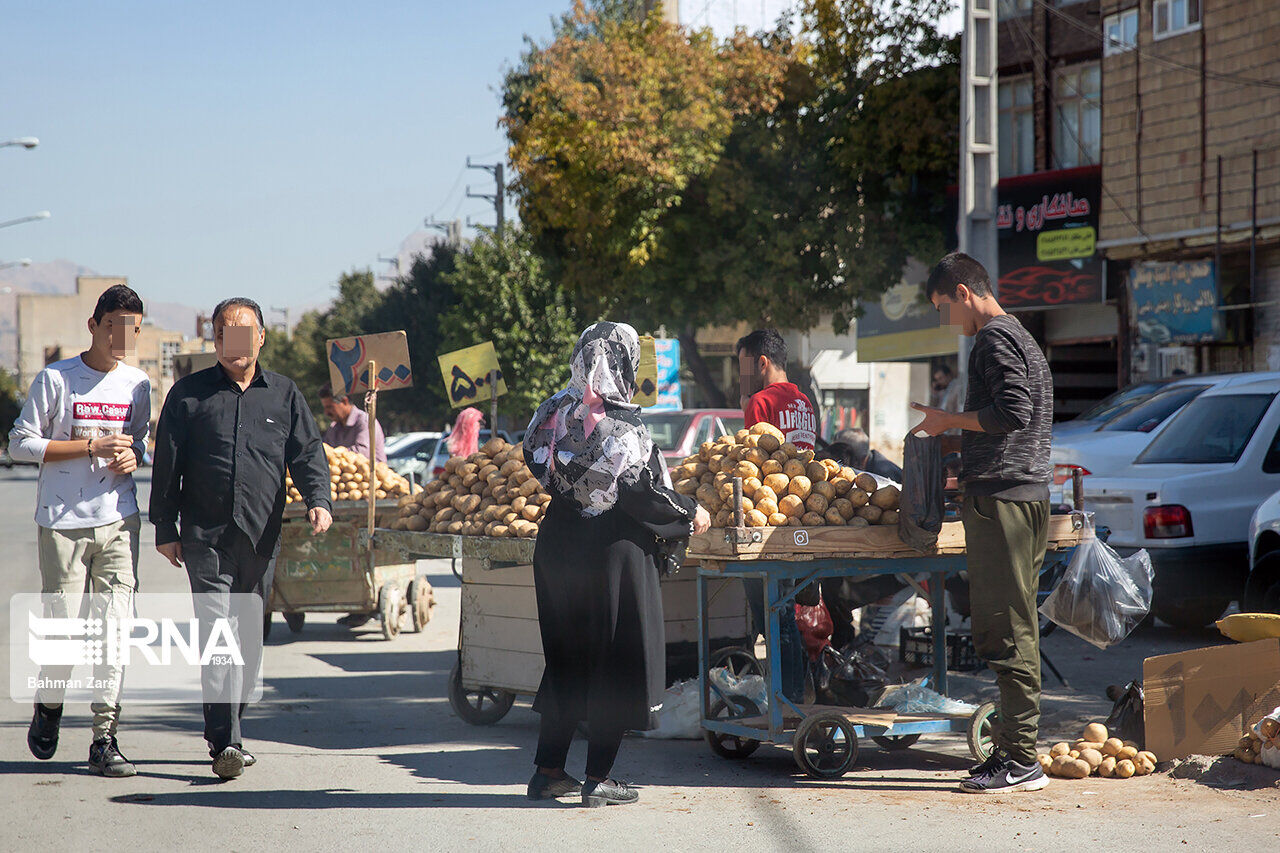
[1173, 359]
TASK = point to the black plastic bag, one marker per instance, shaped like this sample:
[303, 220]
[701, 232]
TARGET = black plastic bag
[923, 501]
[854, 678]
[1125, 721]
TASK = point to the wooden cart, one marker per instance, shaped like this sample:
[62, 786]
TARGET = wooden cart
[824, 739]
[338, 572]
[499, 644]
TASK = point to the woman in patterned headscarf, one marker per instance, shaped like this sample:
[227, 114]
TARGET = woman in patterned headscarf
[613, 522]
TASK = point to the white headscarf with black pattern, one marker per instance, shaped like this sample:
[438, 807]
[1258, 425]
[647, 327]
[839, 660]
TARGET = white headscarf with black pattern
[587, 438]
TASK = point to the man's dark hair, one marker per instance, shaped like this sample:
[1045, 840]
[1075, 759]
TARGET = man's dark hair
[955, 269]
[857, 441]
[240, 302]
[840, 452]
[117, 297]
[764, 342]
[326, 390]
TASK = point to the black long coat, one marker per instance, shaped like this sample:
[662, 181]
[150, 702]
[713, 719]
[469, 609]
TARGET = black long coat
[599, 606]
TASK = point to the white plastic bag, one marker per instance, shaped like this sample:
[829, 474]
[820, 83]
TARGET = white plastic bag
[1270, 755]
[750, 686]
[1101, 597]
[916, 698]
[680, 716]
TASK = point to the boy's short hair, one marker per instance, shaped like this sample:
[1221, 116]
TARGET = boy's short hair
[955, 269]
[117, 297]
[764, 342]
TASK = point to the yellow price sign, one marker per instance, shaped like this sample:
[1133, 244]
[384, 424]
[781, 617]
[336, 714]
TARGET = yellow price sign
[467, 373]
[647, 374]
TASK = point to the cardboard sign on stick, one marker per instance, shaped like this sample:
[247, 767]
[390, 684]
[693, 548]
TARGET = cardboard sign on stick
[349, 362]
[466, 374]
[647, 373]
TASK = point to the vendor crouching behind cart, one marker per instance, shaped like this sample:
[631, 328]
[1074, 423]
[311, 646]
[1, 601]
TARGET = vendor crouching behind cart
[612, 524]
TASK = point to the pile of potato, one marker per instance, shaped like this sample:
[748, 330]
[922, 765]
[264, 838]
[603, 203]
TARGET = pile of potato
[1266, 732]
[490, 493]
[782, 486]
[1097, 754]
[350, 479]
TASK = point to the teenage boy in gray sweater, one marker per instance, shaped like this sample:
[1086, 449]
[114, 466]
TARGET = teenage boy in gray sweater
[1006, 423]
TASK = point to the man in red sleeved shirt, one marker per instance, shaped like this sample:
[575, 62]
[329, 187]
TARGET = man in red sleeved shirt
[770, 397]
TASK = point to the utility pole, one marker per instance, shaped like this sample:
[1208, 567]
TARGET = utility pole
[451, 228]
[979, 154]
[500, 191]
[395, 262]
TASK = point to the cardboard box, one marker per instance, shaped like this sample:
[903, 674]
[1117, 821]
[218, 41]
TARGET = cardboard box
[1201, 702]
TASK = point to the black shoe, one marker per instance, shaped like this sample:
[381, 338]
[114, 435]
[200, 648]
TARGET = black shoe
[609, 793]
[42, 735]
[544, 787]
[985, 767]
[1005, 776]
[229, 764]
[105, 758]
[354, 620]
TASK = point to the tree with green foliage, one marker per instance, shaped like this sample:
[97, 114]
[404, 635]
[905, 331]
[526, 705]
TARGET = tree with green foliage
[503, 294]
[10, 401]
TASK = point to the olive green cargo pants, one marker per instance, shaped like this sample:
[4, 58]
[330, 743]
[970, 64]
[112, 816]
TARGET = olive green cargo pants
[1005, 542]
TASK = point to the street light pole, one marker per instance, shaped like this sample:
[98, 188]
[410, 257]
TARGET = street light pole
[43, 214]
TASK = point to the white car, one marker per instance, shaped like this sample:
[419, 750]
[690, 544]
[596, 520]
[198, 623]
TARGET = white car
[1189, 495]
[1113, 446]
[1262, 590]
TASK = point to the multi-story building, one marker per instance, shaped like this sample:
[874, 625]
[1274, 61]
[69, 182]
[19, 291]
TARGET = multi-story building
[1191, 163]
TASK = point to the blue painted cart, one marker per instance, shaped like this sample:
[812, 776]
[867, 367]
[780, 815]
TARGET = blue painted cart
[824, 739]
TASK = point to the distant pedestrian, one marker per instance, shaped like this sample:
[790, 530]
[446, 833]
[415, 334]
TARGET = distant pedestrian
[85, 422]
[349, 425]
[225, 437]
[1007, 426]
[613, 524]
[862, 457]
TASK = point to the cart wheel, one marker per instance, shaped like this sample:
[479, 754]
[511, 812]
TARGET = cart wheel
[896, 743]
[482, 707]
[266, 625]
[421, 600]
[732, 746]
[982, 727]
[295, 621]
[738, 660]
[825, 745]
[391, 609]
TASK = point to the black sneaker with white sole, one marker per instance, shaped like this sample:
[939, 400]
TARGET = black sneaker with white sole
[229, 763]
[985, 767]
[1004, 776]
[42, 735]
[105, 758]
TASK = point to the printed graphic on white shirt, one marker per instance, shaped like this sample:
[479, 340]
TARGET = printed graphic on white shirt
[798, 423]
[90, 420]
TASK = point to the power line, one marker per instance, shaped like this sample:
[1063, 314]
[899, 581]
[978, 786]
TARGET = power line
[1158, 60]
[457, 181]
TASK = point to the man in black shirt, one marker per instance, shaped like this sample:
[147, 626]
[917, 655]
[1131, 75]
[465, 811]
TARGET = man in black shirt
[862, 457]
[224, 439]
[1007, 426]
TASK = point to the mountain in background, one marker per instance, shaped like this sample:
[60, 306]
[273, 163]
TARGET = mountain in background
[60, 277]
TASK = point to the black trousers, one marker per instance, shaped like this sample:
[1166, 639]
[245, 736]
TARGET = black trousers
[555, 736]
[219, 569]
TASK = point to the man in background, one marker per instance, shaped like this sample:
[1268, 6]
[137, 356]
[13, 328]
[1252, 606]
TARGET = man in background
[225, 437]
[862, 457]
[85, 422]
[350, 425]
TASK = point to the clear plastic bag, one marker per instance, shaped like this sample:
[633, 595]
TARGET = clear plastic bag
[916, 698]
[1101, 597]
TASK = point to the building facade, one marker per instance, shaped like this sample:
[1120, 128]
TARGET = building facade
[1191, 160]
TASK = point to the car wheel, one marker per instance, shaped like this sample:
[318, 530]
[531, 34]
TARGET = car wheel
[1189, 613]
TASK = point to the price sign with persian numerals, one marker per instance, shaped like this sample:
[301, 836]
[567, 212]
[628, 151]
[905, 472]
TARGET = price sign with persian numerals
[349, 362]
[468, 373]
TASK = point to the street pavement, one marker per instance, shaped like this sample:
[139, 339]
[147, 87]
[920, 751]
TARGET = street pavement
[357, 748]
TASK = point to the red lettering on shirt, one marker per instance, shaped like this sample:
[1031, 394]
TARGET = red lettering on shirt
[86, 411]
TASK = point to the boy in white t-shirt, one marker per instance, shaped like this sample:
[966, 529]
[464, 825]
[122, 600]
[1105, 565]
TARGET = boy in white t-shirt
[85, 422]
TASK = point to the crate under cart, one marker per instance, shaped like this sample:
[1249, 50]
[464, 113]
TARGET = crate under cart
[915, 648]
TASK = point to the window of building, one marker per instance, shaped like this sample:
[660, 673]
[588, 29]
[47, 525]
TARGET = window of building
[168, 349]
[1017, 127]
[1013, 8]
[1077, 116]
[1172, 17]
[1121, 30]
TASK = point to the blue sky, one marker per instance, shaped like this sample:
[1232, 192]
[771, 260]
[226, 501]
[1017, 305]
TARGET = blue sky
[259, 147]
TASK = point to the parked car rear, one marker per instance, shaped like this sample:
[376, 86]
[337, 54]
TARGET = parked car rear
[1189, 496]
